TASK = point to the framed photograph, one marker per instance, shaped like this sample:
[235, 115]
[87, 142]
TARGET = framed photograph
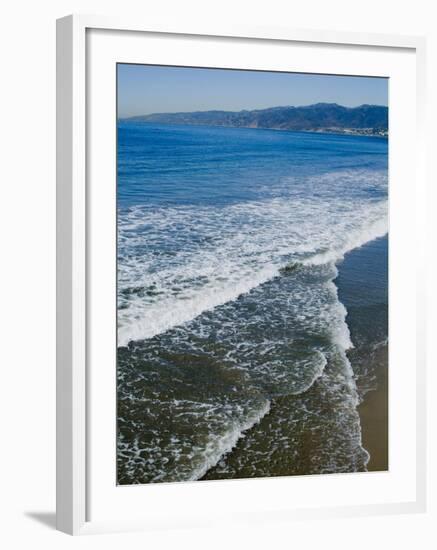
[240, 275]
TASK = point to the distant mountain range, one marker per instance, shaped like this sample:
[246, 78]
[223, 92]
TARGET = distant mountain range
[321, 117]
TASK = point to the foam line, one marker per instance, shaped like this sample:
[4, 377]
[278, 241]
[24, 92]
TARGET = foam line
[168, 313]
[218, 449]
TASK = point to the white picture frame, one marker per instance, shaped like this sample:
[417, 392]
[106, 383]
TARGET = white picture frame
[75, 309]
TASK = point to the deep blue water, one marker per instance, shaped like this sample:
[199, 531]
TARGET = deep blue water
[229, 316]
[201, 165]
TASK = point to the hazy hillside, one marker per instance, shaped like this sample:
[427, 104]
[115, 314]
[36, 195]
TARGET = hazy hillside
[322, 117]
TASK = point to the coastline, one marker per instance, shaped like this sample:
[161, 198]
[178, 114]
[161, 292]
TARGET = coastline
[362, 285]
[333, 132]
[317, 118]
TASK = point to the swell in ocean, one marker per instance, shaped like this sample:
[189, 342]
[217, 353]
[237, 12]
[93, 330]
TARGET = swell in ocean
[232, 340]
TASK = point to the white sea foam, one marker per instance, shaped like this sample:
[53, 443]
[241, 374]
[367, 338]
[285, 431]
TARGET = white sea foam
[226, 425]
[169, 312]
[376, 229]
[176, 263]
[219, 446]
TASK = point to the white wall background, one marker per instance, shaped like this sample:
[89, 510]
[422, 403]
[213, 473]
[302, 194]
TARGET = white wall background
[27, 256]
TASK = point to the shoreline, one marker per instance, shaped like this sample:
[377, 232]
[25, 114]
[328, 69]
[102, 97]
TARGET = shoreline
[369, 360]
[330, 132]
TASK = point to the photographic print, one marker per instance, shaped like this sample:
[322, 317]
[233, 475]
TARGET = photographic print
[252, 274]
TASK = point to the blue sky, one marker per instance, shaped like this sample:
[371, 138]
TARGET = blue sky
[145, 89]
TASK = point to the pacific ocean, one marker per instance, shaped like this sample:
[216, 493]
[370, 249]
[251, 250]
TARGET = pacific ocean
[252, 301]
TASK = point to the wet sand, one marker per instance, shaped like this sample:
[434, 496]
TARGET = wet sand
[374, 417]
